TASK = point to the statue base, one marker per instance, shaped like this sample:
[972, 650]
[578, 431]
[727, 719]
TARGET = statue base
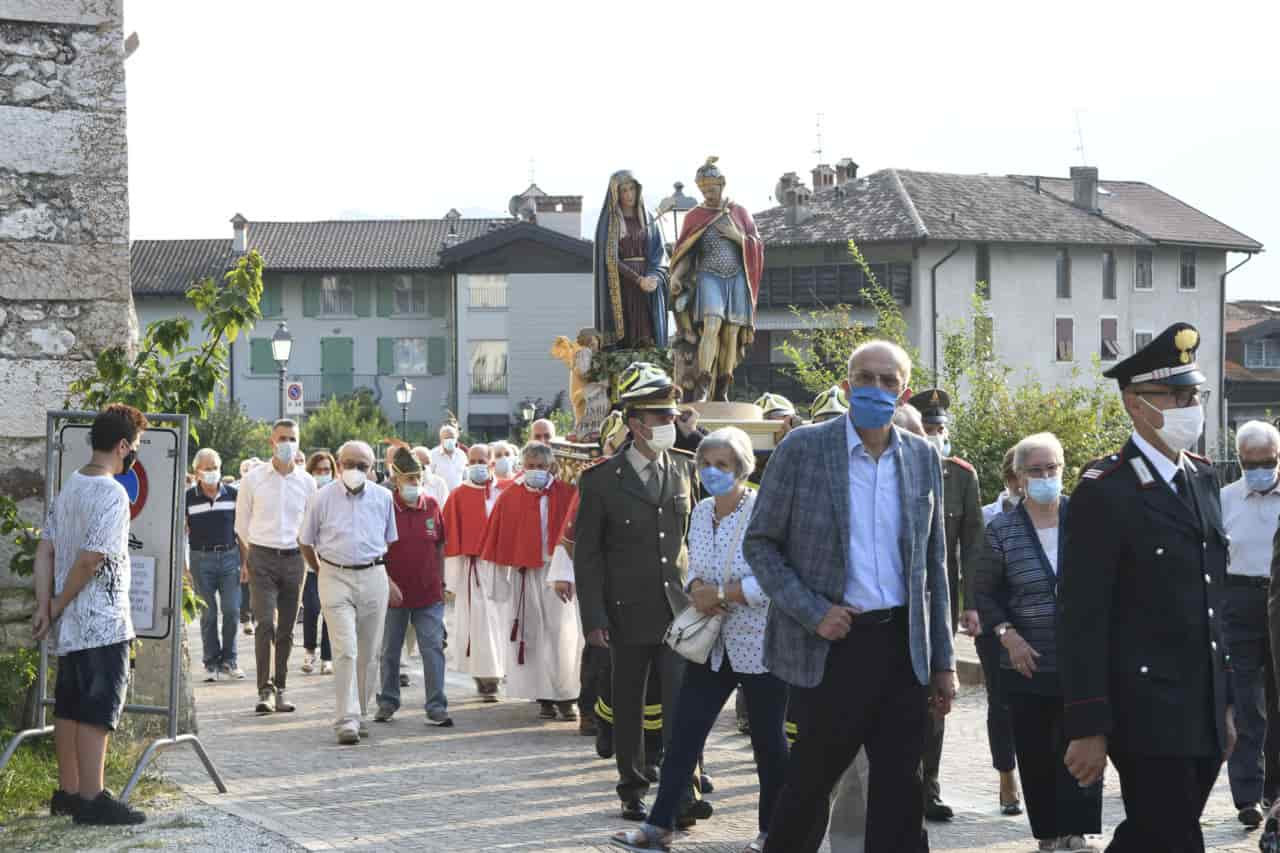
[573, 457]
[748, 417]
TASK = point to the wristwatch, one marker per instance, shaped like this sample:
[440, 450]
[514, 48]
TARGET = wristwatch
[1002, 629]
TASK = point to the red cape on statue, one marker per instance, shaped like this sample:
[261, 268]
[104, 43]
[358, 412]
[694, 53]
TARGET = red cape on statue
[514, 534]
[465, 521]
[696, 222]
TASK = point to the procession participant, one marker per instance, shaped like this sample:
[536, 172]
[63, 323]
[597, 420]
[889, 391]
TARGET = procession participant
[480, 591]
[1009, 496]
[1140, 595]
[246, 603]
[320, 465]
[269, 513]
[506, 465]
[542, 657]
[215, 563]
[831, 403]
[542, 430]
[348, 528]
[432, 483]
[448, 459]
[775, 408]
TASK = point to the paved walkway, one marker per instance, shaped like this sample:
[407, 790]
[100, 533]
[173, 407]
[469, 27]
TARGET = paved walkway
[503, 780]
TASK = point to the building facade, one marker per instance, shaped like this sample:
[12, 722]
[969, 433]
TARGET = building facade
[1253, 361]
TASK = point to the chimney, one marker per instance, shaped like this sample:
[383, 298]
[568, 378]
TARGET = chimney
[239, 234]
[794, 196]
[824, 177]
[846, 171]
[1084, 184]
[561, 213]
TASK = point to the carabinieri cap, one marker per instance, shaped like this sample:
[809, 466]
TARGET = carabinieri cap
[1170, 359]
[933, 404]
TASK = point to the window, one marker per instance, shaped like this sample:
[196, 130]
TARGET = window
[1064, 274]
[1187, 270]
[487, 291]
[1109, 349]
[489, 367]
[1141, 339]
[410, 295]
[409, 356]
[1142, 270]
[1108, 274]
[337, 295]
[1264, 353]
[984, 336]
[1065, 338]
[982, 269]
[272, 302]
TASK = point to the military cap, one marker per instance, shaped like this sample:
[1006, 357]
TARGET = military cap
[404, 462]
[1170, 359]
[933, 404]
[647, 387]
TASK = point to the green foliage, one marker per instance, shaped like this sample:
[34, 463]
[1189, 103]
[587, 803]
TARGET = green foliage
[356, 418]
[235, 435]
[24, 537]
[18, 670]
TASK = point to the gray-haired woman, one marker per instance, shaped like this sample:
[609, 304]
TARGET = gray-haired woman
[725, 460]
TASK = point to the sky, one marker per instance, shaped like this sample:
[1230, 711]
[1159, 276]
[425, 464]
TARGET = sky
[319, 110]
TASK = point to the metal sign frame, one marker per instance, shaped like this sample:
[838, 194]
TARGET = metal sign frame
[54, 420]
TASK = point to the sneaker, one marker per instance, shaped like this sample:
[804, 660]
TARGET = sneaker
[384, 714]
[363, 729]
[439, 717]
[309, 662]
[546, 710]
[349, 737]
[266, 701]
[326, 667]
[283, 705]
[567, 711]
[106, 810]
[404, 679]
[233, 670]
[210, 674]
[1250, 816]
[248, 629]
[1074, 842]
[63, 804]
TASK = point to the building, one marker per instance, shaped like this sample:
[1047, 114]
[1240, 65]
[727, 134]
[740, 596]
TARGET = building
[369, 302]
[1253, 361]
[1070, 268]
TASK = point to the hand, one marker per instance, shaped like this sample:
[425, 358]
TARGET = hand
[648, 284]
[835, 625]
[40, 623]
[449, 596]
[687, 422]
[1231, 733]
[1087, 759]
[970, 623]
[244, 573]
[395, 598]
[599, 638]
[564, 591]
[728, 228]
[943, 690]
[676, 283]
[1021, 655]
[706, 598]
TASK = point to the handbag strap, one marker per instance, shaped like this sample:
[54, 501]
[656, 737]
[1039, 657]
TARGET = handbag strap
[734, 542]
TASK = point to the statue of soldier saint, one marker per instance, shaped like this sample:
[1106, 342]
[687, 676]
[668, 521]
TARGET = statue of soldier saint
[715, 279]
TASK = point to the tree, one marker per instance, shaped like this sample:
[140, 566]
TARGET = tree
[235, 435]
[355, 418]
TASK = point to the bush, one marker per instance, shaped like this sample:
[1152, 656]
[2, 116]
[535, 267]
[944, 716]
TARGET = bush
[235, 436]
[357, 418]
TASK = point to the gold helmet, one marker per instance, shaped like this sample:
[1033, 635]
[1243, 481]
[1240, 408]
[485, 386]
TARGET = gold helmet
[612, 432]
[775, 405]
[646, 386]
[829, 404]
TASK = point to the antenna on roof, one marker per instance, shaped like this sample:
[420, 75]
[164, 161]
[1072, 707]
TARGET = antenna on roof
[818, 150]
[532, 163]
[1080, 139]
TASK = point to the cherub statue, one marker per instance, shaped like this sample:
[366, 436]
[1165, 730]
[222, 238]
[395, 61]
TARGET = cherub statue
[590, 400]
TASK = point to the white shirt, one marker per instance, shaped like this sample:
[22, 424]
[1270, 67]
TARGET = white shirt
[270, 506]
[1251, 520]
[1049, 542]
[448, 466]
[349, 529]
[434, 485]
[1164, 468]
[996, 507]
[742, 632]
[876, 579]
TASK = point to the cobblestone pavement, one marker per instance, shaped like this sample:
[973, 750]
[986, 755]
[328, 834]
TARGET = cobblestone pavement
[503, 780]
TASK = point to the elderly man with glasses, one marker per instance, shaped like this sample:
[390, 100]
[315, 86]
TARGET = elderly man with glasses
[345, 535]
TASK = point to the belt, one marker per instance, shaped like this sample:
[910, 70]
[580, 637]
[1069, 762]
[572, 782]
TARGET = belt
[279, 552]
[215, 548]
[878, 617]
[1246, 580]
[357, 567]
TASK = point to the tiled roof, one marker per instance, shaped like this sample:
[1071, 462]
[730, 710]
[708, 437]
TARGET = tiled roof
[1157, 214]
[1244, 313]
[171, 266]
[874, 209]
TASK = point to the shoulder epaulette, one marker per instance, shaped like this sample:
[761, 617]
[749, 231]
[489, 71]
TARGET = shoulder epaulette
[963, 464]
[677, 450]
[594, 463]
[1101, 467]
[1196, 456]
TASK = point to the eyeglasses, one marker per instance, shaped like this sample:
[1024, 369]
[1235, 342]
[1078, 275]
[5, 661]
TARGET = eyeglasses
[1182, 397]
[1264, 465]
[1039, 472]
[347, 465]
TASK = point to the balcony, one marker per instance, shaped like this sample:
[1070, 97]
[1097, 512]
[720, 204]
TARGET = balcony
[317, 388]
[828, 285]
[489, 383]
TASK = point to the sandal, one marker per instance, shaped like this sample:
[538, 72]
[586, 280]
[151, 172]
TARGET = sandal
[645, 838]
[756, 846]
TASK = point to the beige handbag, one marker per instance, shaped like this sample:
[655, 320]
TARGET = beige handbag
[691, 634]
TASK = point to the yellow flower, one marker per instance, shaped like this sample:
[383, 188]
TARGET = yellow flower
[1186, 341]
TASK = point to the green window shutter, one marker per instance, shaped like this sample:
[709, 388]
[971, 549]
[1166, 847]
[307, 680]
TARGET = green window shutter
[386, 356]
[311, 296]
[272, 304]
[386, 296]
[436, 356]
[362, 291]
[437, 295]
[260, 360]
[337, 360]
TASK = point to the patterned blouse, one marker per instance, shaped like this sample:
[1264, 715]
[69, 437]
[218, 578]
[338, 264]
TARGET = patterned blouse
[742, 632]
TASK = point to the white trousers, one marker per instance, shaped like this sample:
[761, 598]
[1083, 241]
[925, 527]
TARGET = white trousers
[481, 624]
[354, 603]
[551, 638]
[847, 831]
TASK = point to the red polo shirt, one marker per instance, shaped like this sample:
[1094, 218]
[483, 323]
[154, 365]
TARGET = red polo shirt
[413, 561]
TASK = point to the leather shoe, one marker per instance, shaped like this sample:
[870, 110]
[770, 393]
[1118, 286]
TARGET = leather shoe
[634, 809]
[650, 772]
[937, 811]
[604, 740]
[693, 811]
[1251, 816]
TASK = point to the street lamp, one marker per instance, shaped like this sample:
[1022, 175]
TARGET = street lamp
[668, 214]
[404, 396]
[281, 346]
[527, 411]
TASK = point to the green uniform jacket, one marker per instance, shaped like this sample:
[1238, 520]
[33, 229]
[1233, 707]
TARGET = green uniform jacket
[628, 547]
[966, 536]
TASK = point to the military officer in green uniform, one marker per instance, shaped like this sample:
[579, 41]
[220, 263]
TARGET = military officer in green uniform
[632, 520]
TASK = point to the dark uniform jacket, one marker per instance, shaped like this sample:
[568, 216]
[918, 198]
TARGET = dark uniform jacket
[966, 536]
[627, 547]
[1140, 646]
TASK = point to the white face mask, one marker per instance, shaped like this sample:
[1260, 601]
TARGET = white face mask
[1181, 426]
[285, 450]
[323, 479]
[409, 493]
[939, 442]
[449, 444]
[211, 478]
[664, 438]
[353, 478]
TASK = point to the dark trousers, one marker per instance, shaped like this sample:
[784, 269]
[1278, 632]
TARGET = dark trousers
[702, 696]
[1163, 800]
[999, 724]
[631, 667]
[1254, 766]
[594, 681]
[311, 618]
[931, 761]
[275, 584]
[1056, 804]
[868, 696]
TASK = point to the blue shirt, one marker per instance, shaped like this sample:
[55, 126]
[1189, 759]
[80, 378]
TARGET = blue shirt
[350, 529]
[211, 521]
[876, 579]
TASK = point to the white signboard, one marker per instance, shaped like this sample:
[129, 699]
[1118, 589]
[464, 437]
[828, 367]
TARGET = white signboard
[293, 398]
[156, 490]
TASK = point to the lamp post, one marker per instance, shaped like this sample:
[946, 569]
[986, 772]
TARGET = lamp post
[281, 347]
[404, 396]
[669, 211]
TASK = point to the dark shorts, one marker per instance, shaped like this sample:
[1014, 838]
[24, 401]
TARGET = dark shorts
[91, 685]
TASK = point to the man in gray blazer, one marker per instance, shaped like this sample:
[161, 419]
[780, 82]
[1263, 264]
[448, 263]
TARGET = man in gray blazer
[848, 540]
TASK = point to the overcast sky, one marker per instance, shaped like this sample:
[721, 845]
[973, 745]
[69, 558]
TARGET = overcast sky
[319, 110]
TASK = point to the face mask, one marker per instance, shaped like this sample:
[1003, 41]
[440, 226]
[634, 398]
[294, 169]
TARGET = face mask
[664, 438]
[504, 466]
[1260, 479]
[1044, 490]
[409, 492]
[284, 451]
[323, 479]
[1181, 426]
[449, 444]
[126, 464]
[871, 408]
[715, 481]
[211, 478]
[537, 480]
[478, 474]
[353, 479]
[939, 442]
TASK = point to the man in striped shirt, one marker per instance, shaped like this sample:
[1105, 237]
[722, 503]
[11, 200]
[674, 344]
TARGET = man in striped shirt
[216, 569]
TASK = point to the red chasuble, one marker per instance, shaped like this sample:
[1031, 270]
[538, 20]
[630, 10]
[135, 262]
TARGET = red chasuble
[514, 534]
[697, 221]
[464, 521]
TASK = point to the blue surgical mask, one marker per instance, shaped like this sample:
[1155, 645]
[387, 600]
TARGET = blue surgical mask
[715, 481]
[1260, 479]
[478, 474]
[537, 479]
[505, 466]
[871, 407]
[1044, 490]
[409, 493]
[323, 480]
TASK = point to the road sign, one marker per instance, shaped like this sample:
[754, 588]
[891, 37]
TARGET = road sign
[293, 398]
